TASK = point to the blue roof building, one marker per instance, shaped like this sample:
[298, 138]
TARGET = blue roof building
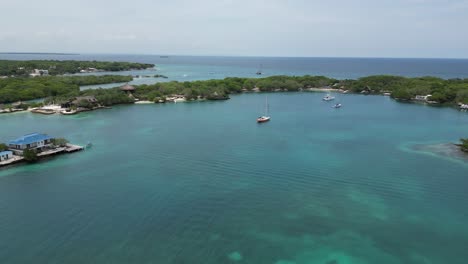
[30, 141]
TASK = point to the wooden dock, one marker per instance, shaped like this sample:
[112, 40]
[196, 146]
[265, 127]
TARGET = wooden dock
[73, 148]
[11, 161]
[69, 148]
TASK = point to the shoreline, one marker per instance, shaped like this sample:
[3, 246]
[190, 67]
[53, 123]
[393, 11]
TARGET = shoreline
[50, 111]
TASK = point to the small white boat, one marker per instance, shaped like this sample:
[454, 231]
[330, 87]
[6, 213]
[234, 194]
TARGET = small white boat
[328, 97]
[337, 105]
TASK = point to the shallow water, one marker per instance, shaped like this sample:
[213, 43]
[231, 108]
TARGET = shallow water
[203, 183]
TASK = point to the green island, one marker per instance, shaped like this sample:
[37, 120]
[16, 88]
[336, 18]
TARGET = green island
[64, 91]
[464, 144]
[428, 89]
[55, 67]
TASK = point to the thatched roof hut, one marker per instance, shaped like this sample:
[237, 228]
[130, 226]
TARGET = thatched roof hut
[90, 99]
[127, 88]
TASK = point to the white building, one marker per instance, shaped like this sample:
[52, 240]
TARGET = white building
[37, 73]
[6, 155]
[422, 97]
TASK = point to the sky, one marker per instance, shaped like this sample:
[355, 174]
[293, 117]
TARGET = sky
[291, 28]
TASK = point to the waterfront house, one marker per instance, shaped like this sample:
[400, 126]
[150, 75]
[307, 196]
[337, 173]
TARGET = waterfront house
[423, 98]
[175, 98]
[77, 101]
[89, 99]
[34, 141]
[6, 155]
[89, 70]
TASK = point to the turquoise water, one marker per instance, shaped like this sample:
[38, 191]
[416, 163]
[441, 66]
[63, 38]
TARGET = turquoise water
[190, 68]
[193, 68]
[203, 183]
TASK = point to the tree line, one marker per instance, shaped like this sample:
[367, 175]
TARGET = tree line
[22, 89]
[404, 88]
[441, 90]
[55, 67]
[464, 144]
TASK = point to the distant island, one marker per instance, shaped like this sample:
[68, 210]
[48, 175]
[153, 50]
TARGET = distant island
[39, 53]
[35, 68]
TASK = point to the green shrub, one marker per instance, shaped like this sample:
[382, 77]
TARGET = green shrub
[30, 155]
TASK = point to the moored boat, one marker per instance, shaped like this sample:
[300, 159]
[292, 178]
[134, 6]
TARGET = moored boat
[337, 105]
[264, 118]
[259, 71]
[328, 97]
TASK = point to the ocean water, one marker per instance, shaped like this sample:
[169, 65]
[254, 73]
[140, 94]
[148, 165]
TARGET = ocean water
[204, 183]
[190, 68]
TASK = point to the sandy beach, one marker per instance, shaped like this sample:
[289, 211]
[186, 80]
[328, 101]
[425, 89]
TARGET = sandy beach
[144, 102]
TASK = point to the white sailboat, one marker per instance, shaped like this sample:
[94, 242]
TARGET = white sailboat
[264, 118]
[259, 71]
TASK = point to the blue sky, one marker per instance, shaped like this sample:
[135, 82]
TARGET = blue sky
[331, 28]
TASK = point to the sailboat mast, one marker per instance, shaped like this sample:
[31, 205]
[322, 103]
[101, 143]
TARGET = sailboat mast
[266, 106]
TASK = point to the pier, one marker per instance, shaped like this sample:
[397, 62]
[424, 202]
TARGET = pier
[69, 148]
[73, 148]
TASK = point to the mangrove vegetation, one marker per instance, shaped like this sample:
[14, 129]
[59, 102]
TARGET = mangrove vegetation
[55, 67]
[431, 89]
[464, 144]
[22, 89]
[440, 90]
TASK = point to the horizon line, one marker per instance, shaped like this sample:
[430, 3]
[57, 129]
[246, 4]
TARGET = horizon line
[229, 56]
